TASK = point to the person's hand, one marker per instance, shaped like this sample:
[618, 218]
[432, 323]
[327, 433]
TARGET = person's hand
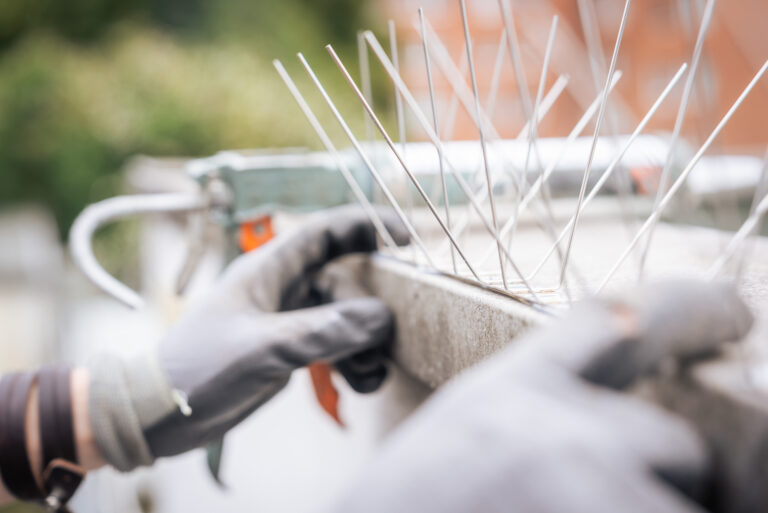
[545, 426]
[238, 348]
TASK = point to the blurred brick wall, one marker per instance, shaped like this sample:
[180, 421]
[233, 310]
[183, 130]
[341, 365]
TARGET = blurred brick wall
[660, 36]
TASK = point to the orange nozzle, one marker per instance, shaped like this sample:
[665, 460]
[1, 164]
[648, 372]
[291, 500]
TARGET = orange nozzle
[253, 234]
[326, 393]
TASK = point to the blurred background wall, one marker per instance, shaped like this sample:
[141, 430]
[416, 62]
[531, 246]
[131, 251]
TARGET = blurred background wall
[660, 36]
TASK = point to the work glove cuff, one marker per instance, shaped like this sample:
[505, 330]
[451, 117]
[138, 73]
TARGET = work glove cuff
[125, 397]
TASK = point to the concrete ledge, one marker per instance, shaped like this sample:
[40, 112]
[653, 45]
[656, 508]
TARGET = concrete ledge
[455, 325]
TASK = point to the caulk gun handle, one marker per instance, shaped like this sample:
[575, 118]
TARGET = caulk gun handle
[251, 235]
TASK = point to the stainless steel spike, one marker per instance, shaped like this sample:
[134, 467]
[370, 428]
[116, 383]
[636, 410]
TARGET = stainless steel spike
[444, 185]
[463, 92]
[453, 104]
[534, 146]
[451, 72]
[747, 229]
[684, 174]
[522, 82]
[595, 53]
[329, 146]
[454, 77]
[376, 176]
[498, 65]
[365, 80]
[615, 162]
[400, 158]
[533, 131]
[600, 114]
[525, 99]
[597, 61]
[760, 191]
[576, 131]
[399, 115]
[679, 120]
[481, 132]
[546, 104]
[425, 125]
[517, 59]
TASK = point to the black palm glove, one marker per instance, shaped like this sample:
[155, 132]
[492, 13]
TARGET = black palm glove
[544, 426]
[364, 371]
[238, 348]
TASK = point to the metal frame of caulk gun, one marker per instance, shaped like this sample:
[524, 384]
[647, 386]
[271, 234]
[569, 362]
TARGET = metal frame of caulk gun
[237, 188]
[231, 191]
[114, 209]
[234, 189]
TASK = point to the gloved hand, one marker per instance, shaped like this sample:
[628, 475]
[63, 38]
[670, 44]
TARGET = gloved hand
[544, 426]
[366, 370]
[237, 349]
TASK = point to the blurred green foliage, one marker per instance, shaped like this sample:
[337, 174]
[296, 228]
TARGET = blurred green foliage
[85, 84]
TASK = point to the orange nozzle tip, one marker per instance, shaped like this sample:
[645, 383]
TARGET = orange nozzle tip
[335, 416]
[326, 393]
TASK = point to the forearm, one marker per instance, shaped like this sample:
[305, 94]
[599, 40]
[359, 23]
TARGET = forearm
[88, 454]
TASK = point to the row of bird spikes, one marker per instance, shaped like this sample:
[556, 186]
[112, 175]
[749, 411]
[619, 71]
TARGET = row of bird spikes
[433, 48]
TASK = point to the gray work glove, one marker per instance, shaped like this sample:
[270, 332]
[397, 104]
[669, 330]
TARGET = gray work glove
[544, 426]
[237, 349]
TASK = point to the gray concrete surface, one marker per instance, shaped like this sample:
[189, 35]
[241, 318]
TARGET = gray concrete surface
[443, 325]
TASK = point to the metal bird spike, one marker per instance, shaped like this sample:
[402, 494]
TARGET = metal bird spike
[329, 146]
[365, 80]
[517, 59]
[453, 104]
[595, 138]
[546, 104]
[466, 97]
[747, 229]
[525, 98]
[455, 79]
[401, 159]
[444, 185]
[453, 75]
[533, 146]
[399, 112]
[595, 53]
[597, 60]
[425, 125]
[760, 191]
[493, 90]
[533, 130]
[374, 173]
[678, 183]
[576, 131]
[481, 132]
[498, 64]
[615, 162]
[679, 120]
